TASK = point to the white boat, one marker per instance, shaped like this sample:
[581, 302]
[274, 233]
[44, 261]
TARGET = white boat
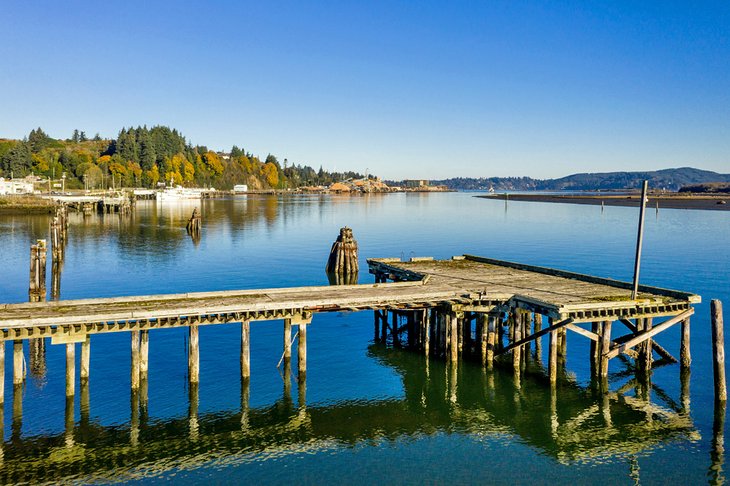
[178, 193]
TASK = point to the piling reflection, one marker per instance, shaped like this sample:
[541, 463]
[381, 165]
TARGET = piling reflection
[568, 423]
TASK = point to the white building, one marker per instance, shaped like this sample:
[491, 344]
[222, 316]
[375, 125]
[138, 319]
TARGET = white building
[240, 188]
[15, 186]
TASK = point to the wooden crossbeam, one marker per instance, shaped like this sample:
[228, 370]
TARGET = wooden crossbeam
[641, 337]
[583, 332]
[532, 337]
[655, 346]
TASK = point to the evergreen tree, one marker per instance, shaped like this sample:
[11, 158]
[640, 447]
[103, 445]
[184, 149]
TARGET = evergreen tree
[75, 136]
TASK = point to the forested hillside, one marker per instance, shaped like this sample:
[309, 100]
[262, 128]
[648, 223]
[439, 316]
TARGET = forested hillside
[669, 179]
[143, 157]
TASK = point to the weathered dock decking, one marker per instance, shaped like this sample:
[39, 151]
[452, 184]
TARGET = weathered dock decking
[464, 306]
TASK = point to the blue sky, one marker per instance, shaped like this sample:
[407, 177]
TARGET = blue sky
[403, 89]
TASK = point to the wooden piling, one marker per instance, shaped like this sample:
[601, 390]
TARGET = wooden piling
[685, 357]
[194, 223]
[245, 350]
[537, 327]
[376, 319]
[85, 359]
[483, 337]
[287, 338]
[343, 254]
[144, 349]
[18, 362]
[605, 342]
[491, 338]
[37, 283]
[70, 369]
[718, 350]
[453, 337]
[553, 354]
[302, 350]
[134, 371]
[193, 355]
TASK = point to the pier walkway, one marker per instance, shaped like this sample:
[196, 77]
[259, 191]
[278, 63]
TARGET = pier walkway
[466, 306]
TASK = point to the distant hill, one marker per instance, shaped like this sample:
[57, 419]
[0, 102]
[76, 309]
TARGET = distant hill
[669, 179]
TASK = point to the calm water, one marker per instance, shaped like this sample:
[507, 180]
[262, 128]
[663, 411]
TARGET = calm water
[369, 414]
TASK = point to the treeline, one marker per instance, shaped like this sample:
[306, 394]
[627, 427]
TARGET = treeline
[669, 179]
[145, 157]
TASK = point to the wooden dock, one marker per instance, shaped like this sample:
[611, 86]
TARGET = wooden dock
[470, 307]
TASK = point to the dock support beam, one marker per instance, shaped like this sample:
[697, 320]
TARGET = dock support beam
[134, 375]
[193, 355]
[302, 351]
[453, 336]
[18, 365]
[144, 352]
[718, 351]
[70, 369]
[245, 349]
[553, 354]
[426, 331]
[605, 342]
[685, 357]
[287, 338]
[85, 358]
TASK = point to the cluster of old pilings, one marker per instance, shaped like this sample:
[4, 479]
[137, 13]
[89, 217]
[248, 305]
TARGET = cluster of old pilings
[194, 225]
[507, 337]
[505, 332]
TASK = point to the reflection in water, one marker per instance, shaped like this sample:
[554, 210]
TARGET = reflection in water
[570, 424]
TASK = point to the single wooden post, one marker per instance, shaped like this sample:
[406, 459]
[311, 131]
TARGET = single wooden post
[245, 349]
[483, 337]
[491, 338]
[718, 350]
[685, 357]
[85, 358]
[517, 352]
[144, 349]
[717, 449]
[553, 354]
[605, 348]
[287, 338]
[302, 350]
[193, 355]
[134, 373]
[70, 369]
[18, 362]
[453, 337]
[536, 327]
[563, 343]
[384, 325]
[648, 358]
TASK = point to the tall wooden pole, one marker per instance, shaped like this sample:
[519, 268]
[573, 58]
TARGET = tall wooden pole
[245, 349]
[718, 350]
[85, 358]
[302, 350]
[134, 373]
[18, 368]
[193, 355]
[70, 369]
[639, 239]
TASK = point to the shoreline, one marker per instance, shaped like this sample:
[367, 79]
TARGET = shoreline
[662, 201]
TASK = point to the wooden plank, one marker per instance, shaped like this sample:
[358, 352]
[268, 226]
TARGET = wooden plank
[660, 350]
[648, 334]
